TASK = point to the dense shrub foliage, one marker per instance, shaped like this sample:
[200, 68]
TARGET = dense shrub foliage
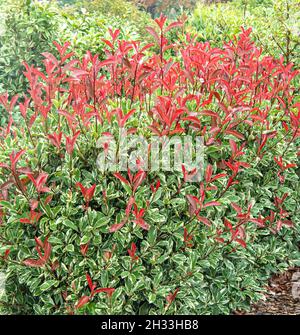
[168, 7]
[275, 24]
[75, 239]
[28, 27]
[85, 30]
[122, 9]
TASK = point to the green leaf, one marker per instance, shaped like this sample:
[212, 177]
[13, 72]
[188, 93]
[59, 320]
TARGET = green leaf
[70, 224]
[46, 285]
[101, 221]
[151, 298]
[70, 248]
[152, 235]
[7, 205]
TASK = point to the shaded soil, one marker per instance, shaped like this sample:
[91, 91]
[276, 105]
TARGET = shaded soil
[282, 296]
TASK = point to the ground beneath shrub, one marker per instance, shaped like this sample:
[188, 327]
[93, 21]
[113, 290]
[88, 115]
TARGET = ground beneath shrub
[282, 296]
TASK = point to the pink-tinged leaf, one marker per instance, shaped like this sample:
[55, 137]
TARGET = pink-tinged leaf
[50, 57]
[14, 158]
[33, 204]
[70, 142]
[288, 166]
[84, 249]
[114, 33]
[142, 223]
[152, 32]
[241, 242]
[121, 178]
[106, 62]
[82, 301]
[117, 226]
[6, 253]
[69, 66]
[126, 117]
[132, 251]
[235, 133]
[47, 249]
[79, 73]
[13, 102]
[48, 199]
[192, 119]
[204, 220]
[194, 201]
[227, 224]
[210, 113]
[259, 222]
[171, 296]
[208, 173]
[108, 43]
[147, 46]
[55, 139]
[218, 176]
[173, 25]
[211, 203]
[233, 146]
[160, 21]
[36, 263]
[237, 208]
[3, 165]
[25, 220]
[39, 242]
[108, 291]
[288, 223]
[138, 179]
[90, 193]
[129, 206]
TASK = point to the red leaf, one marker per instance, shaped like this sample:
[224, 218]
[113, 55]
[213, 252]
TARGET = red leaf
[174, 25]
[132, 252]
[227, 224]
[152, 32]
[235, 133]
[138, 179]
[237, 208]
[211, 203]
[121, 178]
[233, 146]
[25, 220]
[14, 158]
[90, 193]
[142, 223]
[90, 282]
[218, 176]
[82, 301]
[241, 242]
[108, 43]
[171, 296]
[6, 253]
[34, 263]
[204, 220]
[108, 291]
[47, 249]
[117, 226]
[84, 248]
[208, 173]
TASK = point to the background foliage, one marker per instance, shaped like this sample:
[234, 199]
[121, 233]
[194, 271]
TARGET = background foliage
[27, 29]
[276, 24]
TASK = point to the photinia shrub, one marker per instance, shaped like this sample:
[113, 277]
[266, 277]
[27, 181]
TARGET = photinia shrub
[78, 239]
